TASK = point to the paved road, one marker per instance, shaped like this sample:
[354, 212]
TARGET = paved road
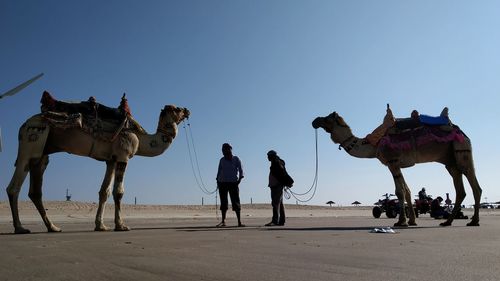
[306, 249]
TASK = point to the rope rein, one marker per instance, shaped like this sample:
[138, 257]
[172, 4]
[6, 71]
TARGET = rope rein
[196, 172]
[195, 167]
[288, 193]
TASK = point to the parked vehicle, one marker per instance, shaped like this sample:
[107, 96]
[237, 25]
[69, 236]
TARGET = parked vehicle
[386, 205]
[423, 206]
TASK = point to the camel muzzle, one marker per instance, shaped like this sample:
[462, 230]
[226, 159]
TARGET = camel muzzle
[316, 123]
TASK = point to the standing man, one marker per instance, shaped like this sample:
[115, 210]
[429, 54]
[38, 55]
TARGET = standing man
[229, 176]
[278, 179]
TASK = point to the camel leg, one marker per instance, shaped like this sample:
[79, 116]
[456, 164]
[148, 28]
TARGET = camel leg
[103, 196]
[411, 215]
[37, 168]
[118, 191]
[458, 182]
[13, 190]
[399, 183]
[465, 163]
[477, 191]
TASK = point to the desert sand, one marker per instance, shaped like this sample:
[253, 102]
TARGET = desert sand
[181, 243]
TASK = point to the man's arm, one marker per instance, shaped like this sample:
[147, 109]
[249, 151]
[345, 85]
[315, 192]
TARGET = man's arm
[219, 171]
[241, 175]
[278, 170]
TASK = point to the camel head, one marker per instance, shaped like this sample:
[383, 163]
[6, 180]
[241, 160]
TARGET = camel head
[327, 122]
[333, 124]
[170, 117]
[172, 113]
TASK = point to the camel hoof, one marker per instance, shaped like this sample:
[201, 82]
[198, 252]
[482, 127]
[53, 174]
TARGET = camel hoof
[401, 224]
[21, 230]
[53, 228]
[446, 223]
[102, 228]
[473, 223]
[122, 228]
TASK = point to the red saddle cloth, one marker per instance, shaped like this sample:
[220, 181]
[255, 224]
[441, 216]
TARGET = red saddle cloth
[420, 136]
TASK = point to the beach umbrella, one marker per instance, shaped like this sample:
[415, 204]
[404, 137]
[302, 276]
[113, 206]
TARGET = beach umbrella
[330, 203]
[356, 203]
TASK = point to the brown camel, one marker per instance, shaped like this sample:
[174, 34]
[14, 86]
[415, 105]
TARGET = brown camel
[38, 138]
[456, 155]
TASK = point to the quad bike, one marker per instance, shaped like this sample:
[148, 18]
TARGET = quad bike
[423, 206]
[387, 205]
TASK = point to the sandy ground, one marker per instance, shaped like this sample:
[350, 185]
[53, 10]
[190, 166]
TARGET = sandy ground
[181, 243]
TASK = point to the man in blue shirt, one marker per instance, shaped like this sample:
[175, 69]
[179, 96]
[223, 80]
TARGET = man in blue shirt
[229, 176]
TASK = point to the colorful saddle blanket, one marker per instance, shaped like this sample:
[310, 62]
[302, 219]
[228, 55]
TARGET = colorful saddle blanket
[420, 136]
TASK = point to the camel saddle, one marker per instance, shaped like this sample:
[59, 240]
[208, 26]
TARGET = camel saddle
[400, 126]
[418, 120]
[101, 121]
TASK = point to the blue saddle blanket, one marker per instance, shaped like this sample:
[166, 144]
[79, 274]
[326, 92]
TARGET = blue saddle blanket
[434, 120]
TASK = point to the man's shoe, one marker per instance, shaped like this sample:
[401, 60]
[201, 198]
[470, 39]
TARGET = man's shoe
[271, 224]
[221, 224]
[281, 223]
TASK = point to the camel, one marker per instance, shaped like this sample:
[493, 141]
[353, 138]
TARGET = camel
[456, 155]
[38, 138]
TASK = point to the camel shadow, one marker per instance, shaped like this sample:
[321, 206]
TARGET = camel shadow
[247, 228]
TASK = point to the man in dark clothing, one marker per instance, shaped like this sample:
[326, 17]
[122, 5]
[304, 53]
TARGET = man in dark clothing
[438, 211]
[278, 179]
[229, 176]
[422, 195]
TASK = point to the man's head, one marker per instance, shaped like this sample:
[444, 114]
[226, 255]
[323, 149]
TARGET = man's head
[423, 188]
[227, 150]
[271, 154]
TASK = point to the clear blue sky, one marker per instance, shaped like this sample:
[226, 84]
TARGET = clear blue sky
[255, 74]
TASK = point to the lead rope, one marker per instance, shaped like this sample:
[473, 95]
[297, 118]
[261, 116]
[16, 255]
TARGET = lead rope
[288, 193]
[196, 172]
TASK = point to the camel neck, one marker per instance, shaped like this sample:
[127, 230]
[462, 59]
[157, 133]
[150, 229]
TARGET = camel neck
[358, 147]
[151, 145]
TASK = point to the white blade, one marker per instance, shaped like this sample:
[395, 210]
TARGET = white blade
[20, 87]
